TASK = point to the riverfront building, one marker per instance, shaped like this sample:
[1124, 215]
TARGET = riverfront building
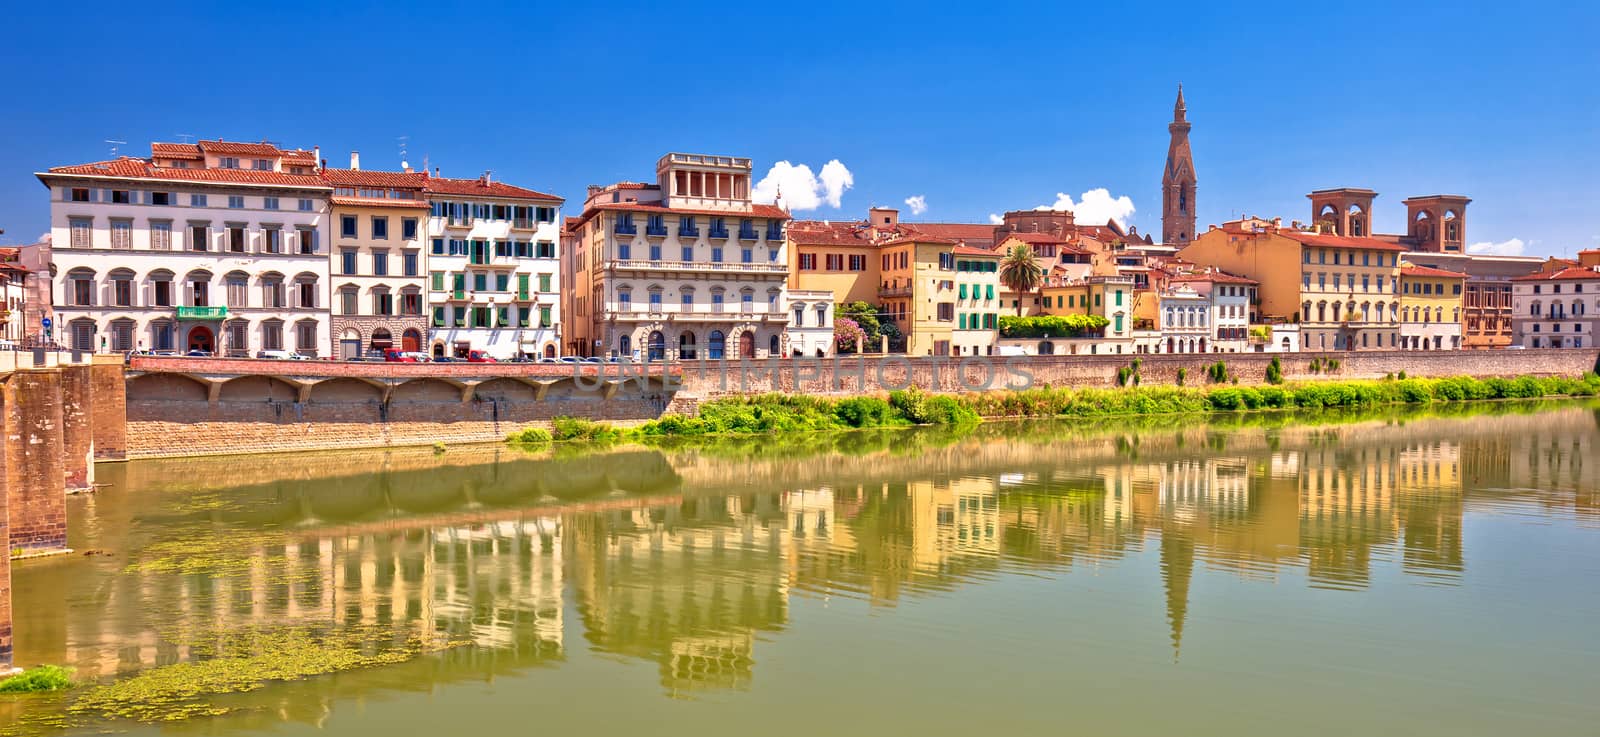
[685, 267]
[1346, 294]
[377, 259]
[215, 246]
[1430, 308]
[1557, 309]
[492, 268]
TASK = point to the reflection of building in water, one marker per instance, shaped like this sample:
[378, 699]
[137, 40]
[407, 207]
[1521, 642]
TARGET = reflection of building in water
[1346, 510]
[686, 586]
[953, 519]
[1429, 500]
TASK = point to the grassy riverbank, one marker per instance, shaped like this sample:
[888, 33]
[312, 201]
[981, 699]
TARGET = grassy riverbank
[786, 413]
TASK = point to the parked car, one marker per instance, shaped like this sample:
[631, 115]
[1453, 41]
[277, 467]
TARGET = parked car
[197, 353]
[570, 359]
[480, 357]
[394, 355]
[279, 355]
[446, 359]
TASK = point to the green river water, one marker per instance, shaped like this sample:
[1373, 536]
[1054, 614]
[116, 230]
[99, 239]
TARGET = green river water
[1380, 573]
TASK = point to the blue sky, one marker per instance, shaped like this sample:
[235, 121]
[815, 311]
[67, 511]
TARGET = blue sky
[976, 107]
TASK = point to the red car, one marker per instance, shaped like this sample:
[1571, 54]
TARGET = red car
[394, 355]
[480, 357]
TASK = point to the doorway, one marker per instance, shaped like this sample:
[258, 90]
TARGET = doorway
[202, 339]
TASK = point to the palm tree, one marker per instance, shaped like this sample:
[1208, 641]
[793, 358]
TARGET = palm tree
[1020, 272]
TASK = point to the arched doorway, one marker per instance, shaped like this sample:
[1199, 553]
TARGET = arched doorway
[625, 347]
[686, 345]
[438, 350]
[658, 347]
[772, 346]
[549, 350]
[1171, 345]
[1202, 345]
[382, 340]
[1046, 348]
[411, 340]
[747, 344]
[719, 344]
[202, 339]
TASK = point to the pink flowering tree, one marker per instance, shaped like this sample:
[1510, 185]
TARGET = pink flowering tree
[848, 336]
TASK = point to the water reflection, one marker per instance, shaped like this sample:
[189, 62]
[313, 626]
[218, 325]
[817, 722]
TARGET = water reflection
[689, 556]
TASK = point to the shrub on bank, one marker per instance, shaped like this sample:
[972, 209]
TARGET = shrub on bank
[573, 428]
[529, 436]
[41, 678]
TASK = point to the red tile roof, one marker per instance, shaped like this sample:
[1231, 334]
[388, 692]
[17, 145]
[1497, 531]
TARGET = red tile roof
[1429, 271]
[480, 188]
[812, 233]
[970, 251]
[240, 148]
[128, 167]
[186, 151]
[971, 232]
[1215, 277]
[363, 202]
[1568, 274]
[369, 178]
[1339, 241]
[918, 238]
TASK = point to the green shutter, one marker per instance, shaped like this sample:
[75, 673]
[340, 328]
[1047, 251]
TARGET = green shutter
[438, 281]
[988, 291]
[459, 285]
[522, 286]
[544, 316]
[544, 283]
[963, 291]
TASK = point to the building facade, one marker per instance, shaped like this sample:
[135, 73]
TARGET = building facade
[1430, 308]
[493, 269]
[1557, 309]
[1343, 291]
[215, 247]
[810, 329]
[1486, 309]
[685, 268]
[1229, 301]
[377, 283]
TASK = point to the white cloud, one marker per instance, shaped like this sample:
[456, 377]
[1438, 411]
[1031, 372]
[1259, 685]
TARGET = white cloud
[996, 219]
[1511, 247]
[917, 203]
[1094, 207]
[803, 190]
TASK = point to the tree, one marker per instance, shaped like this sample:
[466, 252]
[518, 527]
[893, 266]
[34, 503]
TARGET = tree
[1020, 272]
[848, 336]
[865, 316]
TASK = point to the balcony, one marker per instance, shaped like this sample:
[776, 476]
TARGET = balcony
[625, 229]
[748, 234]
[657, 231]
[458, 222]
[729, 313]
[688, 234]
[774, 233]
[715, 232]
[202, 313]
[523, 224]
[904, 291]
[720, 267]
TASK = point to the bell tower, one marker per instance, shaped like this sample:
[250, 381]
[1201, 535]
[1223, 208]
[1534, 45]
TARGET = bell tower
[1177, 181]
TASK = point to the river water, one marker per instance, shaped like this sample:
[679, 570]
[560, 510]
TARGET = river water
[1385, 573]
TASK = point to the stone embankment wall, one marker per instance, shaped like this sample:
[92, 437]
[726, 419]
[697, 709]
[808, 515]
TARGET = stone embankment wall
[184, 407]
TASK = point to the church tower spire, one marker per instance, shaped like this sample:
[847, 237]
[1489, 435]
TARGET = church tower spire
[1178, 181]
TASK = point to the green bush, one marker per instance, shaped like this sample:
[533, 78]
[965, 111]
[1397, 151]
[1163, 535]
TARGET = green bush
[1054, 326]
[42, 678]
[1183, 375]
[529, 436]
[866, 412]
[573, 428]
[1275, 371]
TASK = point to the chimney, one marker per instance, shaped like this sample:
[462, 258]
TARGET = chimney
[355, 160]
[1277, 222]
[435, 172]
[486, 180]
[405, 166]
[316, 154]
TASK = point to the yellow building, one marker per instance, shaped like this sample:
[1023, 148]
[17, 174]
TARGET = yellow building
[378, 281]
[1430, 308]
[1346, 296]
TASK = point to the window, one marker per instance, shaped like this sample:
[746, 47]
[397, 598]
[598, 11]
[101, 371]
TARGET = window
[544, 316]
[808, 262]
[411, 263]
[546, 249]
[121, 196]
[380, 263]
[502, 282]
[272, 294]
[408, 228]
[161, 198]
[198, 237]
[272, 240]
[262, 164]
[380, 227]
[347, 261]
[308, 240]
[122, 291]
[82, 232]
[382, 303]
[161, 293]
[235, 202]
[228, 162]
[83, 290]
[747, 255]
[236, 238]
[347, 301]
[197, 200]
[545, 214]
[347, 226]
[544, 283]
[480, 282]
[122, 234]
[308, 294]
[236, 292]
[438, 247]
[305, 205]
[946, 311]
[858, 262]
[80, 194]
[269, 203]
[716, 254]
[946, 261]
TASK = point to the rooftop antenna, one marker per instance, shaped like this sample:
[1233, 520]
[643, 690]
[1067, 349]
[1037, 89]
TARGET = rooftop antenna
[405, 160]
[185, 136]
[114, 145]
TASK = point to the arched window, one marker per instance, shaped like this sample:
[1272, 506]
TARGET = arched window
[718, 345]
[686, 345]
[624, 347]
[772, 346]
[657, 347]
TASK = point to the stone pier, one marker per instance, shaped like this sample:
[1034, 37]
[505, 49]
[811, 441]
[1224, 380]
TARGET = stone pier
[36, 468]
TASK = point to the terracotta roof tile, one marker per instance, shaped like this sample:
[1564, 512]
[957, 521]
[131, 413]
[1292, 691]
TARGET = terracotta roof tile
[363, 202]
[1339, 241]
[1035, 238]
[240, 148]
[756, 211]
[370, 178]
[1568, 274]
[480, 188]
[970, 251]
[1215, 277]
[976, 232]
[186, 151]
[1429, 271]
[128, 167]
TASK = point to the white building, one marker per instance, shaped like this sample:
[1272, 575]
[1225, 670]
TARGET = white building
[1185, 321]
[1228, 299]
[215, 246]
[684, 268]
[493, 269]
[810, 330]
[1558, 309]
